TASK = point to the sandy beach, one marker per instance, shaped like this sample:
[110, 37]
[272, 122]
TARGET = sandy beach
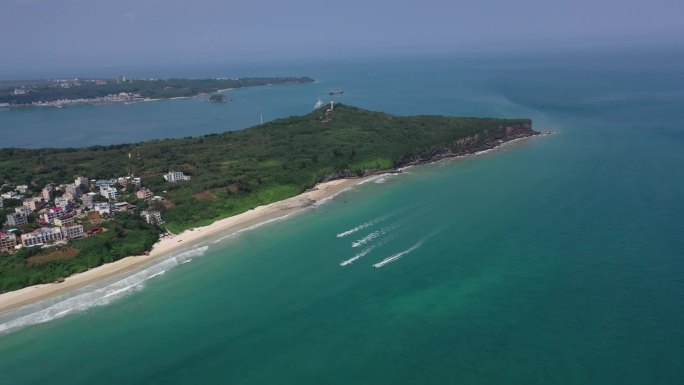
[15, 299]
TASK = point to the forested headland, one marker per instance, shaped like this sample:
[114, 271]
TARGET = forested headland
[233, 172]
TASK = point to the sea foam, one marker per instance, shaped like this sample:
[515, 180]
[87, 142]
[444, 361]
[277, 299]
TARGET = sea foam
[91, 296]
[257, 225]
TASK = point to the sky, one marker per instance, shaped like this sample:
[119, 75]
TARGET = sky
[41, 35]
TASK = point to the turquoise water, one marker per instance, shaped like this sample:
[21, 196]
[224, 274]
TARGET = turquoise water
[555, 260]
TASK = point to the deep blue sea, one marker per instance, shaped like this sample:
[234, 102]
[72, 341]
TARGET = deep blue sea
[554, 260]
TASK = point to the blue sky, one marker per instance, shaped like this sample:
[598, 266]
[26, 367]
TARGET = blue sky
[44, 34]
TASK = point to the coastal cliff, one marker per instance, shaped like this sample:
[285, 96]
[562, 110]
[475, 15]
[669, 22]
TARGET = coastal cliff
[486, 140]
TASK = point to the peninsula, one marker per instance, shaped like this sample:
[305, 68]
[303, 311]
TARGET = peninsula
[137, 192]
[63, 92]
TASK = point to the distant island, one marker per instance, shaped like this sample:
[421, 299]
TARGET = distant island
[59, 222]
[218, 98]
[63, 92]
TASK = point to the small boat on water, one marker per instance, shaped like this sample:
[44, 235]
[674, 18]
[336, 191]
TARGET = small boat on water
[338, 92]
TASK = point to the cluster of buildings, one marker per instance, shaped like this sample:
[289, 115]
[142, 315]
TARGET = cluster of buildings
[58, 214]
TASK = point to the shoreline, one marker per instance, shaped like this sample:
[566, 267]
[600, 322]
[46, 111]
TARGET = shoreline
[100, 103]
[166, 246]
[233, 225]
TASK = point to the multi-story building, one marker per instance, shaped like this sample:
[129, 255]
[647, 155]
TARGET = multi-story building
[153, 217]
[103, 208]
[52, 213]
[72, 232]
[66, 220]
[64, 203]
[16, 219]
[87, 200]
[81, 180]
[48, 193]
[108, 192]
[22, 189]
[144, 193]
[72, 190]
[137, 182]
[21, 210]
[34, 204]
[103, 183]
[7, 241]
[175, 176]
[42, 236]
[11, 195]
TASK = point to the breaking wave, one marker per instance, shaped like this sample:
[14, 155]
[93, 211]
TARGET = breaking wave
[91, 296]
[257, 225]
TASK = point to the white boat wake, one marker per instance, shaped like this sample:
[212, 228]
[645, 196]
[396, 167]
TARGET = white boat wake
[396, 256]
[400, 254]
[366, 251]
[365, 225]
[373, 235]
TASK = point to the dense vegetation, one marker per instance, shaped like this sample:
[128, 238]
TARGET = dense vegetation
[126, 235]
[154, 89]
[235, 171]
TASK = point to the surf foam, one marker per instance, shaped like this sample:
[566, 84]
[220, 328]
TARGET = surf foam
[90, 296]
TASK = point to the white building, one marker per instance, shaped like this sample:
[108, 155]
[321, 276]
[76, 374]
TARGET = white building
[7, 241]
[175, 176]
[22, 189]
[42, 236]
[153, 217]
[16, 219]
[102, 208]
[64, 203]
[108, 192]
[72, 232]
[11, 195]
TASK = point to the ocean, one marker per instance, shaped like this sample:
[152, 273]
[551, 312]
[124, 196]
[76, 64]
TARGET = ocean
[552, 260]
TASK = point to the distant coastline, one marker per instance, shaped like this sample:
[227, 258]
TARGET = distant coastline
[65, 92]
